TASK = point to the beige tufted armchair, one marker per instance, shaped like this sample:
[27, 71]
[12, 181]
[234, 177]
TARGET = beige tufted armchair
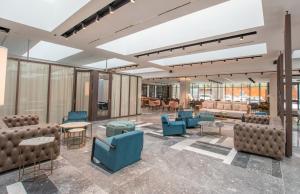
[16, 128]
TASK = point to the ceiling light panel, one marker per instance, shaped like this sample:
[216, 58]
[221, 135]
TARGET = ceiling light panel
[143, 70]
[251, 50]
[296, 54]
[231, 16]
[50, 51]
[110, 63]
[43, 14]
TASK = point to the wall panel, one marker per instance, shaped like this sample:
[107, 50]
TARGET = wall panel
[125, 95]
[115, 95]
[133, 95]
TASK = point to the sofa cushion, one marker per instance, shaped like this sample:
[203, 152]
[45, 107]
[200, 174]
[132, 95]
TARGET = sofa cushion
[220, 105]
[243, 107]
[236, 106]
[227, 106]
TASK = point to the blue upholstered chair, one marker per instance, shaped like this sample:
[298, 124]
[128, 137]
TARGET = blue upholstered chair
[172, 127]
[261, 114]
[76, 116]
[118, 151]
[187, 117]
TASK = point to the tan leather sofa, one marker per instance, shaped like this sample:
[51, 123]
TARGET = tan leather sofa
[14, 129]
[267, 140]
[226, 109]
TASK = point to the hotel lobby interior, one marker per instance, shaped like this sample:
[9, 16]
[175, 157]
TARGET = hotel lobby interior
[139, 96]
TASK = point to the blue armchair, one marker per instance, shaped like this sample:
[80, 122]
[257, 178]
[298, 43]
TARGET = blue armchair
[187, 117]
[118, 151]
[76, 116]
[172, 127]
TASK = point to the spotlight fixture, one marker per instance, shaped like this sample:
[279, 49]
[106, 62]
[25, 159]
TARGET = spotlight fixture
[230, 75]
[97, 19]
[224, 61]
[110, 10]
[237, 59]
[219, 41]
[171, 50]
[132, 1]
[218, 75]
[211, 62]
[200, 44]
[206, 76]
[261, 73]
[183, 48]
[83, 26]
[242, 38]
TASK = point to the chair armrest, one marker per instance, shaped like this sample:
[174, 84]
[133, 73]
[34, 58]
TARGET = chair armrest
[64, 118]
[103, 141]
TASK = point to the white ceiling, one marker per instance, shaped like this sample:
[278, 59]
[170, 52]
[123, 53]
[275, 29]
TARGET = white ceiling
[144, 14]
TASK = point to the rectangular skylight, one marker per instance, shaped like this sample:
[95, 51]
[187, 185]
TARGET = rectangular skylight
[50, 51]
[42, 14]
[251, 50]
[296, 54]
[231, 16]
[143, 70]
[111, 63]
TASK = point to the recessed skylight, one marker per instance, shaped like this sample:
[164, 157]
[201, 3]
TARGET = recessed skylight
[257, 49]
[42, 14]
[296, 54]
[231, 16]
[111, 63]
[143, 70]
[50, 51]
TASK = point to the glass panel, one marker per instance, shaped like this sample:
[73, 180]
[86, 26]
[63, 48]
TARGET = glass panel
[33, 89]
[103, 90]
[228, 92]
[237, 92]
[214, 92]
[83, 91]
[152, 91]
[139, 95]
[295, 97]
[10, 89]
[263, 92]
[144, 90]
[254, 90]
[133, 95]
[61, 90]
[245, 93]
[125, 95]
[115, 95]
[159, 91]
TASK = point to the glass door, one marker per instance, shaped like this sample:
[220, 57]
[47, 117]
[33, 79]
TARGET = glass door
[103, 100]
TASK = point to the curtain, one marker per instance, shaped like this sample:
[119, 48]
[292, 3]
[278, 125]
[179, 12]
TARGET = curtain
[82, 91]
[115, 97]
[33, 89]
[139, 95]
[61, 88]
[10, 89]
[133, 95]
[125, 95]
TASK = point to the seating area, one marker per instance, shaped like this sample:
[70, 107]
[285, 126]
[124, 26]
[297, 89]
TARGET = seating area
[149, 97]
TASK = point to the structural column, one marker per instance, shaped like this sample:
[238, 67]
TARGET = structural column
[273, 95]
[288, 82]
[185, 92]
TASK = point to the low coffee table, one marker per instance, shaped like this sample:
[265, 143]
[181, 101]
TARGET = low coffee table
[73, 125]
[35, 143]
[76, 135]
[202, 124]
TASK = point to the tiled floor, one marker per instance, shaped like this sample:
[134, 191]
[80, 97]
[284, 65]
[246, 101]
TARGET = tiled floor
[189, 164]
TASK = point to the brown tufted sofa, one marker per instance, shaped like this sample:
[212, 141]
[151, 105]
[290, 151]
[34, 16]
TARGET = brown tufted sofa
[14, 129]
[267, 140]
[264, 120]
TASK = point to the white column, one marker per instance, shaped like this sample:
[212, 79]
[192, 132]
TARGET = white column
[273, 95]
[185, 92]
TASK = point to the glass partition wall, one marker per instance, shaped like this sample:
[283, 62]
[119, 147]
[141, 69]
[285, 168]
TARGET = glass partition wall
[52, 90]
[250, 93]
